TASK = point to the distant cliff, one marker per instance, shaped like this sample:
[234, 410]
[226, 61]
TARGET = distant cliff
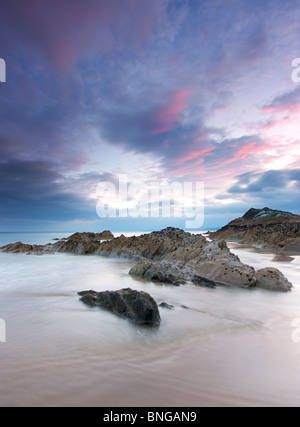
[265, 227]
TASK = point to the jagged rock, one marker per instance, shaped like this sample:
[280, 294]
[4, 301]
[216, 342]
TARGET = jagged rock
[267, 213]
[202, 281]
[83, 243]
[215, 267]
[139, 307]
[78, 243]
[104, 235]
[227, 273]
[80, 247]
[154, 246]
[158, 272]
[271, 229]
[170, 256]
[22, 248]
[273, 280]
[215, 262]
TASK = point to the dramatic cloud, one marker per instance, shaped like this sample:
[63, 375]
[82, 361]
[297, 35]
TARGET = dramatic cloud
[35, 190]
[160, 89]
[268, 181]
[275, 188]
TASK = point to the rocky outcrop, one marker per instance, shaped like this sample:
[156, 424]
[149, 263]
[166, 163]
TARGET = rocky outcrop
[267, 213]
[154, 246]
[170, 256]
[203, 281]
[139, 307]
[83, 243]
[214, 262]
[104, 235]
[162, 272]
[78, 243]
[211, 261]
[22, 248]
[272, 279]
[271, 229]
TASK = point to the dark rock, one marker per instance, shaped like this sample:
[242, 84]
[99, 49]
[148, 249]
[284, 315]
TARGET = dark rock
[166, 305]
[158, 272]
[202, 281]
[89, 297]
[267, 213]
[139, 307]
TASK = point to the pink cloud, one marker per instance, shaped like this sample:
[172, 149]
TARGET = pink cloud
[251, 148]
[168, 115]
[287, 102]
[290, 108]
[225, 159]
[196, 154]
[241, 155]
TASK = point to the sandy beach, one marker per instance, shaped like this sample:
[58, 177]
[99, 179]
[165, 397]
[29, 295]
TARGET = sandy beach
[232, 347]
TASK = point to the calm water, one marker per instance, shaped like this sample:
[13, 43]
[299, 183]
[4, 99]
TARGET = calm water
[233, 347]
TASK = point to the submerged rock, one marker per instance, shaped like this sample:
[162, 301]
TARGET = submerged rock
[272, 279]
[139, 307]
[166, 305]
[202, 281]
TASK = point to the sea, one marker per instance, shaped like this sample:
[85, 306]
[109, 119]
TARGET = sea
[229, 347]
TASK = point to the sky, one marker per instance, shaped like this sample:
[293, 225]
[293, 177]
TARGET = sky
[161, 91]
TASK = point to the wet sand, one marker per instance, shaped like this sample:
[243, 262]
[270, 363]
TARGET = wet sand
[278, 256]
[233, 347]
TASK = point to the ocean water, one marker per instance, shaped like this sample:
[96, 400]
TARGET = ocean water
[232, 347]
